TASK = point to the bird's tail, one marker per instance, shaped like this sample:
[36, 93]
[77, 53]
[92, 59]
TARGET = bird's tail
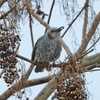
[38, 69]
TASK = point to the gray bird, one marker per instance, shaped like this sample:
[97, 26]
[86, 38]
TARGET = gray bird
[47, 48]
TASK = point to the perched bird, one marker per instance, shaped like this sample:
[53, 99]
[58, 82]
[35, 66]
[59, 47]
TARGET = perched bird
[47, 48]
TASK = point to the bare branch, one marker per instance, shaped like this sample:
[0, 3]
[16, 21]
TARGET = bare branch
[84, 63]
[98, 69]
[31, 31]
[93, 44]
[46, 92]
[48, 89]
[89, 60]
[7, 13]
[85, 54]
[35, 63]
[39, 81]
[87, 64]
[92, 67]
[2, 2]
[74, 20]
[85, 20]
[29, 71]
[23, 58]
[89, 35]
[31, 11]
[23, 84]
[51, 11]
[66, 48]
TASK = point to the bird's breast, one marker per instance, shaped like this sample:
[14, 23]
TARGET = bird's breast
[48, 51]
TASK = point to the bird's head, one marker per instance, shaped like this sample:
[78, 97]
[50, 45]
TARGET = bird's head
[54, 32]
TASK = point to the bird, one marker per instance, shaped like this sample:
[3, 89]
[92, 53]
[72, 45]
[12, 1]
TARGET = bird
[47, 48]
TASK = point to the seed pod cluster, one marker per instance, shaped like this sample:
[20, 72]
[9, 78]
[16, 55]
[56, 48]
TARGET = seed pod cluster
[71, 88]
[8, 45]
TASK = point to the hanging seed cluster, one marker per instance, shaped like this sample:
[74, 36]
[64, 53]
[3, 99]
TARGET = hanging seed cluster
[72, 88]
[8, 46]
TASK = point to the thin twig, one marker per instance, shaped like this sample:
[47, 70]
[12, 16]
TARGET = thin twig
[85, 53]
[6, 14]
[34, 63]
[93, 44]
[93, 70]
[23, 58]
[74, 20]
[89, 35]
[91, 67]
[52, 6]
[31, 31]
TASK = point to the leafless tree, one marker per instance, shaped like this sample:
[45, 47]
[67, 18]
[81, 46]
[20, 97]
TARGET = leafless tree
[69, 82]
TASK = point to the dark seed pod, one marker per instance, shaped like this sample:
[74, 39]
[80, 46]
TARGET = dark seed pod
[8, 46]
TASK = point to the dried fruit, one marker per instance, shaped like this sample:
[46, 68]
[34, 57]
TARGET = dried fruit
[8, 46]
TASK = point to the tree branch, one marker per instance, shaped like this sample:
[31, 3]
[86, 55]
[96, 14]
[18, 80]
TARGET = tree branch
[89, 60]
[31, 31]
[66, 48]
[2, 2]
[50, 13]
[52, 83]
[98, 39]
[89, 35]
[37, 17]
[85, 20]
[86, 64]
[23, 84]
[48, 89]
[73, 20]
[9, 11]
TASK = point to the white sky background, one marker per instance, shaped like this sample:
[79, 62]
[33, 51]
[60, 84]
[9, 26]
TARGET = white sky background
[58, 19]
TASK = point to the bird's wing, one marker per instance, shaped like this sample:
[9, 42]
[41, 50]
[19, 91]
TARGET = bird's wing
[35, 48]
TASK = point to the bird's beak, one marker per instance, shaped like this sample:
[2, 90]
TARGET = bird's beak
[59, 29]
